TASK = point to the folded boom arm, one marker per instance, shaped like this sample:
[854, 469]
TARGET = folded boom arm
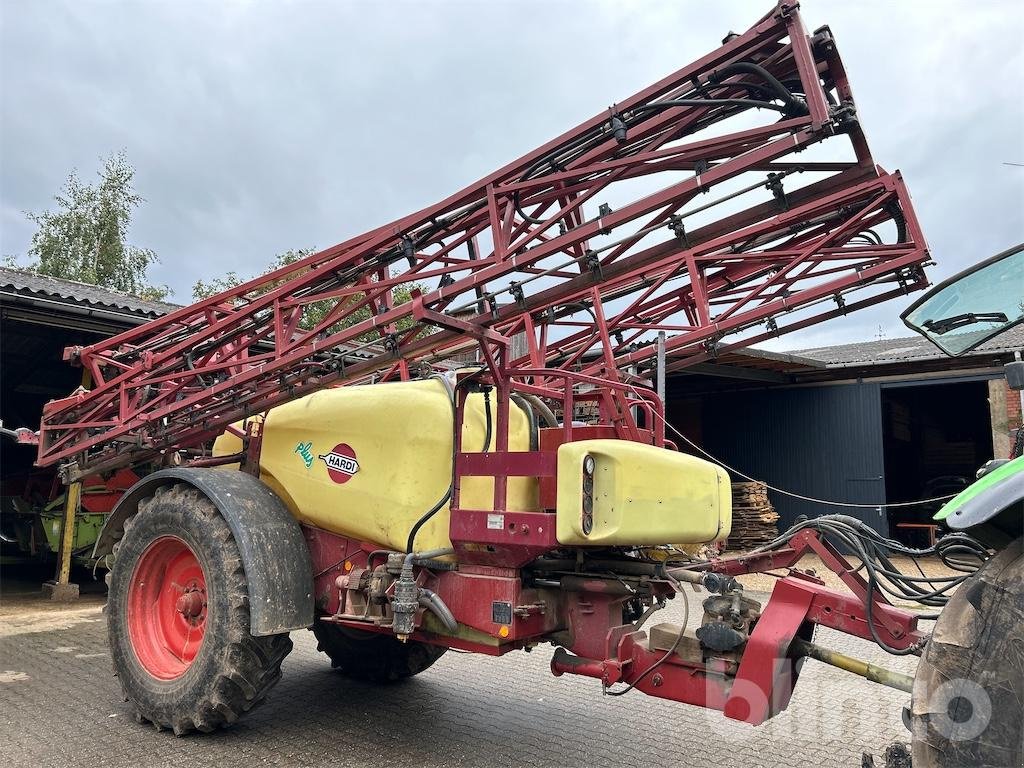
[686, 207]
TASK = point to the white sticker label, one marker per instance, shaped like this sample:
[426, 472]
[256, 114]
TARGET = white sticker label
[496, 522]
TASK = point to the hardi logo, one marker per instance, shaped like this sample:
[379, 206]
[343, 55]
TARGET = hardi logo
[341, 463]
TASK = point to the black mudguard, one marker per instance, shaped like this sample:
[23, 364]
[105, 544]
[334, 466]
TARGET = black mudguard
[275, 557]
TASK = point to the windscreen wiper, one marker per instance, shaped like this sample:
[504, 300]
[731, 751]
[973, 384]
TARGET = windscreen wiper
[947, 324]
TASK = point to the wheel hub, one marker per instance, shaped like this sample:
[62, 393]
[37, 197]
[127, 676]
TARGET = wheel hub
[191, 604]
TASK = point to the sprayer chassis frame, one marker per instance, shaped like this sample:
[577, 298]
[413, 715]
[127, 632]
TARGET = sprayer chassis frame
[584, 620]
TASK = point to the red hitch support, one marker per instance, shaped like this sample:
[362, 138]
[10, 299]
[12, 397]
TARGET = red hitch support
[761, 685]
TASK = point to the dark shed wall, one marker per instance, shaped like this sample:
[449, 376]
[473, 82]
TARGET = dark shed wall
[824, 442]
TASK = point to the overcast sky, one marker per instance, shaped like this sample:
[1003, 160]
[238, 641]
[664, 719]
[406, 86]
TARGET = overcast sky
[256, 127]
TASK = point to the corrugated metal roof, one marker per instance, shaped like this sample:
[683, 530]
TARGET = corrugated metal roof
[15, 283]
[18, 282]
[905, 348]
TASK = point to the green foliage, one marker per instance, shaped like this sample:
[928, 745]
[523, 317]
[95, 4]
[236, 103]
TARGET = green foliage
[203, 290]
[315, 312]
[85, 237]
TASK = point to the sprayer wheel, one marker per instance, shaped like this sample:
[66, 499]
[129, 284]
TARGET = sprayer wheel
[178, 617]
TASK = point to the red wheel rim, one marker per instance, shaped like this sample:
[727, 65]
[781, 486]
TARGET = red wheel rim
[167, 608]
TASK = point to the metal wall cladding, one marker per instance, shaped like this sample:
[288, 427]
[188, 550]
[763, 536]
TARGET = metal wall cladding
[824, 442]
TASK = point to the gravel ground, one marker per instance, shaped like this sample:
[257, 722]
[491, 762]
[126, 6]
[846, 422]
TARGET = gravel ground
[61, 706]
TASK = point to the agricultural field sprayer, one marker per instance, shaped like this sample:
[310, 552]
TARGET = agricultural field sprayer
[487, 466]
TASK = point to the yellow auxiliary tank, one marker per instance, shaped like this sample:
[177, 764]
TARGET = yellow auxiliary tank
[368, 461]
[640, 495]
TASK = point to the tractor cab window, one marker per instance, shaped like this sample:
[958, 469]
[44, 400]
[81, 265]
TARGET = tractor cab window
[972, 307]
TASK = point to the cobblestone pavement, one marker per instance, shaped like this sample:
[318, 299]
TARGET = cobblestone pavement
[60, 705]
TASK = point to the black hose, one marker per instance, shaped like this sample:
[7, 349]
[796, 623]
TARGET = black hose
[873, 550]
[487, 417]
[792, 106]
[669, 652]
[411, 541]
[893, 209]
[433, 603]
[670, 103]
[426, 516]
[795, 106]
[585, 142]
[752, 88]
[531, 417]
[797, 86]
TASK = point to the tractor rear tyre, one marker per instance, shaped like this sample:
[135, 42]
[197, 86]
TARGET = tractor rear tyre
[373, 657]
[968, 692]
[178, 617]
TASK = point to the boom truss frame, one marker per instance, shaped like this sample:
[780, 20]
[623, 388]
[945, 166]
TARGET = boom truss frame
[529, 253]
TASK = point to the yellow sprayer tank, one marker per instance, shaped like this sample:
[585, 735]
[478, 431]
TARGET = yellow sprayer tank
[368, 461]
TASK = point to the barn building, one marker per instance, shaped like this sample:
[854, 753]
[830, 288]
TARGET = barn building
[39, 317]
[875, 422]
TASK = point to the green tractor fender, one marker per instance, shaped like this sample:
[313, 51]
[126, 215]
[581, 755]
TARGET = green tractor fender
[993, 504]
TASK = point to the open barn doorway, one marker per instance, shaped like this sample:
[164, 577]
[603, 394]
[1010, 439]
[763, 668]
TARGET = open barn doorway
[32, 372]
[935, 436]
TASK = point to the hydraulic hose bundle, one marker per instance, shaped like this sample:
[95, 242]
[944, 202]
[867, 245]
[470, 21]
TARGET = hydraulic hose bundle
[957, 551]
[770, 92]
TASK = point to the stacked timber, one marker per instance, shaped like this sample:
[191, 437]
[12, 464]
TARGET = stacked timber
[754, 519]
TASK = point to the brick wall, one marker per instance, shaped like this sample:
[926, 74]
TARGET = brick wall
[1013, 412]
[1013, 415]
[1006, 416]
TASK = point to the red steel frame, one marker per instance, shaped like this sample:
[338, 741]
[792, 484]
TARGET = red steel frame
[527, 251]
[587, 621]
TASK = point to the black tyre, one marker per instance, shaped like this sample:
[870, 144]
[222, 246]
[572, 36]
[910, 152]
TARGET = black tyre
[373, 657]
[178, 617]
[968, 701]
